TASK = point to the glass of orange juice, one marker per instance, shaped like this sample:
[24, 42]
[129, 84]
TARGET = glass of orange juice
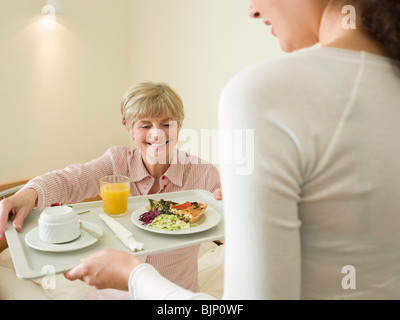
[114, 192]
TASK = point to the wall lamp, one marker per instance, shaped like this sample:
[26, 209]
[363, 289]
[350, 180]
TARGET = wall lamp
[51, 8]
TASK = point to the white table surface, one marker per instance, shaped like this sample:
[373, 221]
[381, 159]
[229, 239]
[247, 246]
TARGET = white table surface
[32, 264]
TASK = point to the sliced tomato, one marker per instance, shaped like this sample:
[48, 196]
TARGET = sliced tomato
[185, 205]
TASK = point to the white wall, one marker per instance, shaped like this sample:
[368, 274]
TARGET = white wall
[196, 46]
[60, 90]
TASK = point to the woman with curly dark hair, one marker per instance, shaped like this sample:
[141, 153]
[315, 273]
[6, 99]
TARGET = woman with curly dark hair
[318, 218]
[381, 21]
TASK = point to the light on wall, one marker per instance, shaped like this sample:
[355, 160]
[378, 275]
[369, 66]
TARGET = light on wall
[49, 11]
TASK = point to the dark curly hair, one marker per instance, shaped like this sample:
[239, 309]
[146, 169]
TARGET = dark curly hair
[381, 20]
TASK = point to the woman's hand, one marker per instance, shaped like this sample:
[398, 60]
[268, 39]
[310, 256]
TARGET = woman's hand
[20, 204]
[105, 269]
[218, 194]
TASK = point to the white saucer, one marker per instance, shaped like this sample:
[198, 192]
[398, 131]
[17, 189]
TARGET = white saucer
[84, 240]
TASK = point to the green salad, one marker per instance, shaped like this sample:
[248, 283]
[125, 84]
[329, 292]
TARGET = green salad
[170, 222]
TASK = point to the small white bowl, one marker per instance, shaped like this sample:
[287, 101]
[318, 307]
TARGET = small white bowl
[59, 225]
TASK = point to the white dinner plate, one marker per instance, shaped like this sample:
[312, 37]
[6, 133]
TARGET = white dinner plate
[209, 219]
[84, 240]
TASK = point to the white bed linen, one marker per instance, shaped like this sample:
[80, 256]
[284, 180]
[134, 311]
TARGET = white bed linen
[210, 265]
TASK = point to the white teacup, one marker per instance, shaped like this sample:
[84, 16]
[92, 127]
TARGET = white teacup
[59, 225]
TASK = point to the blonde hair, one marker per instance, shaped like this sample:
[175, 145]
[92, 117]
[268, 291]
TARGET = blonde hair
[148, 99]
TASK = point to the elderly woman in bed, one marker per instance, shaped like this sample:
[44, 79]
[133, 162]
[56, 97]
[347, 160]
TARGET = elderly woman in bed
[152, 114]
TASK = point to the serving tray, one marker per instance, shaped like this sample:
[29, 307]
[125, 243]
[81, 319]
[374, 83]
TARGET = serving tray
[33, 264]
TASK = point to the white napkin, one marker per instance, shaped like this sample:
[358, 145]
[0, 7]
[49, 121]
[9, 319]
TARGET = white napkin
[122, 233]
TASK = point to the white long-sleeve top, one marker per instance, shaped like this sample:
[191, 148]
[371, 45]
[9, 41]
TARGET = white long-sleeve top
[319, 216]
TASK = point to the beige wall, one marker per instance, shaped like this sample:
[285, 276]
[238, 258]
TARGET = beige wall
[60, 89]
[197, 46]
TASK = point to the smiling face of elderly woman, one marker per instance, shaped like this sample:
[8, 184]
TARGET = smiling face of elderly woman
[294, 22]
[153, 114]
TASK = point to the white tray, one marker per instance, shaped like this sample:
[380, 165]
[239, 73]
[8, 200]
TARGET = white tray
[32, 264]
